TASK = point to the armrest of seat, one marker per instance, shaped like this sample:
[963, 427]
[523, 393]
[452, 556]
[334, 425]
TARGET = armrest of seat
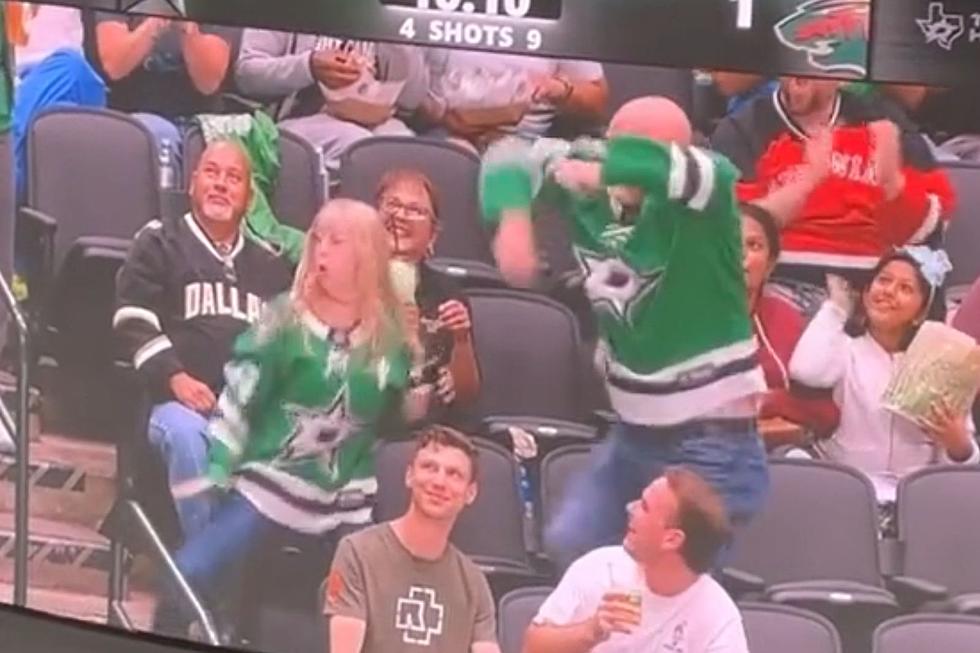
[828, 596]
[501, 567]
[966, 604]
[39, 218]
[602, 419]
[739, 582]
[914, 592]
[469, 273]
[548, 429]
[40, 228]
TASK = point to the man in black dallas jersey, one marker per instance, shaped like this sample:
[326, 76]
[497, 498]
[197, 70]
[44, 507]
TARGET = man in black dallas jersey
[189, 287]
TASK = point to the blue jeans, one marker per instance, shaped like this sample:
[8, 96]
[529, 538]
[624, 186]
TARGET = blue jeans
[178, 433]
[210, 561]
[728, 454]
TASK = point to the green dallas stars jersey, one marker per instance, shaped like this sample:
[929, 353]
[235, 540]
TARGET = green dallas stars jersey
[667, 286]
[298, 421]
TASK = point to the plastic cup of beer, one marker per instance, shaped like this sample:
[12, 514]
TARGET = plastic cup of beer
[631, 601]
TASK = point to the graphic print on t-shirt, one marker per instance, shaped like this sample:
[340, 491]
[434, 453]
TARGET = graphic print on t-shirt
[419, 616]
[677, 641]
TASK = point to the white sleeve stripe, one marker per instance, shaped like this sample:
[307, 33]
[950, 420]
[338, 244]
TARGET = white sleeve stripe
[930, 221]
[678, 173]
[151, 349]
[707, 186]
[136, 313]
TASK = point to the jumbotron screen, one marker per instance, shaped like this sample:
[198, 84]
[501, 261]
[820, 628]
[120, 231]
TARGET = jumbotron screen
[913, 41]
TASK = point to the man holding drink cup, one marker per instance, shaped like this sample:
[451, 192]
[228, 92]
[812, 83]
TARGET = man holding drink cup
[654, 591]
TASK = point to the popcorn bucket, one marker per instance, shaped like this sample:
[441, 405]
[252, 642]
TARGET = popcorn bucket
[940, 364]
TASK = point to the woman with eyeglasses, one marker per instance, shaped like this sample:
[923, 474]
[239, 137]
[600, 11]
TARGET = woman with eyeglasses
[435, 306]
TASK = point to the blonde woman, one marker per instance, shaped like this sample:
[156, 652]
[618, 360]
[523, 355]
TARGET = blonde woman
[308, 391]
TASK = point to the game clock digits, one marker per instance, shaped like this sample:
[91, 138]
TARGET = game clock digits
[502, 24]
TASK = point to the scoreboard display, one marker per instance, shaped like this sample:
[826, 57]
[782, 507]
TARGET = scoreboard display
[912, 41]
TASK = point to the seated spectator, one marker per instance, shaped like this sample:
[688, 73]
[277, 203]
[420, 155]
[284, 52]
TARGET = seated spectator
[740, 89]
[943, 115]
[161, 70]
[778, 326]
[294, 69]
[883, 188]
[51, 69]
[654, 592]
[308, 391]
[856, 360]
[558, 86]
[42, 30]
[409, 206]
[188, 288]
[402, 586]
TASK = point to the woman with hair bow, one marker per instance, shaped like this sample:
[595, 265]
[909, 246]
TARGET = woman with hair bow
[852, 346]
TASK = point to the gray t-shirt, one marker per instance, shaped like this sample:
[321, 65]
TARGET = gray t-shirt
[409, 604]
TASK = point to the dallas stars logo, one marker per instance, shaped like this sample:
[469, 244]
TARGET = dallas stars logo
[318, 432]
[941, 28]
[614, 285]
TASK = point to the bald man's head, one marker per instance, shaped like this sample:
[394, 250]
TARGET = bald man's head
[653, 117]
[221, 187]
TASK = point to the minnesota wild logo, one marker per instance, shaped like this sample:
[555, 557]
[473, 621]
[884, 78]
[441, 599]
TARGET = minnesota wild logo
[832, 33]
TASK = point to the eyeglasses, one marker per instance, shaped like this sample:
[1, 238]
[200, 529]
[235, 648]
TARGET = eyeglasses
[412, 212]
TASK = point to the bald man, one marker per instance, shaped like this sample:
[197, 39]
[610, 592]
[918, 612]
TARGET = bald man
[655, 228]
[188, 288]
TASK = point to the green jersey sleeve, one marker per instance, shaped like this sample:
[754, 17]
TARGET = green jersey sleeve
[250, 378]
[514, 172]
[690, 176]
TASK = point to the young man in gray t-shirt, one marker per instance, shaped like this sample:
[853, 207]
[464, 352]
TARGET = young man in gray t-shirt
[401, 585]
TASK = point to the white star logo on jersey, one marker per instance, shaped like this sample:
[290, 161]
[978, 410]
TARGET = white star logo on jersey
[318, 432]
[611, 283]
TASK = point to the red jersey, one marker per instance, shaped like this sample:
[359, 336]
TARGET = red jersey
[846, 222]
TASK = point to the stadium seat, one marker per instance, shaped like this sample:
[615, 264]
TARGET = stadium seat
[928, 633]
[815, 546]
[92, 184]
[532, 364]
[491, 530]
[91, 174]
[453, 171]
[939, 537]
[515, 613]
[299, 190]
[964, 229]
[559, 468]
[772, 628]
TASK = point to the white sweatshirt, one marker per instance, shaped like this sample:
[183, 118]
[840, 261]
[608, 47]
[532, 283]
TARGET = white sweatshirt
[870, 438]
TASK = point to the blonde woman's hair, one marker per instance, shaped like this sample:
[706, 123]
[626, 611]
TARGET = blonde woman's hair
[379, 311]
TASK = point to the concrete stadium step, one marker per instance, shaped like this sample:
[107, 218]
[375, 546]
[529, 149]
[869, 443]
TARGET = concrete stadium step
[62, 556]
[84, 607]
[72, 481]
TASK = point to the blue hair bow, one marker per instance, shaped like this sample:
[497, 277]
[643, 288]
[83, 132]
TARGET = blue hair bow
[934, 263]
